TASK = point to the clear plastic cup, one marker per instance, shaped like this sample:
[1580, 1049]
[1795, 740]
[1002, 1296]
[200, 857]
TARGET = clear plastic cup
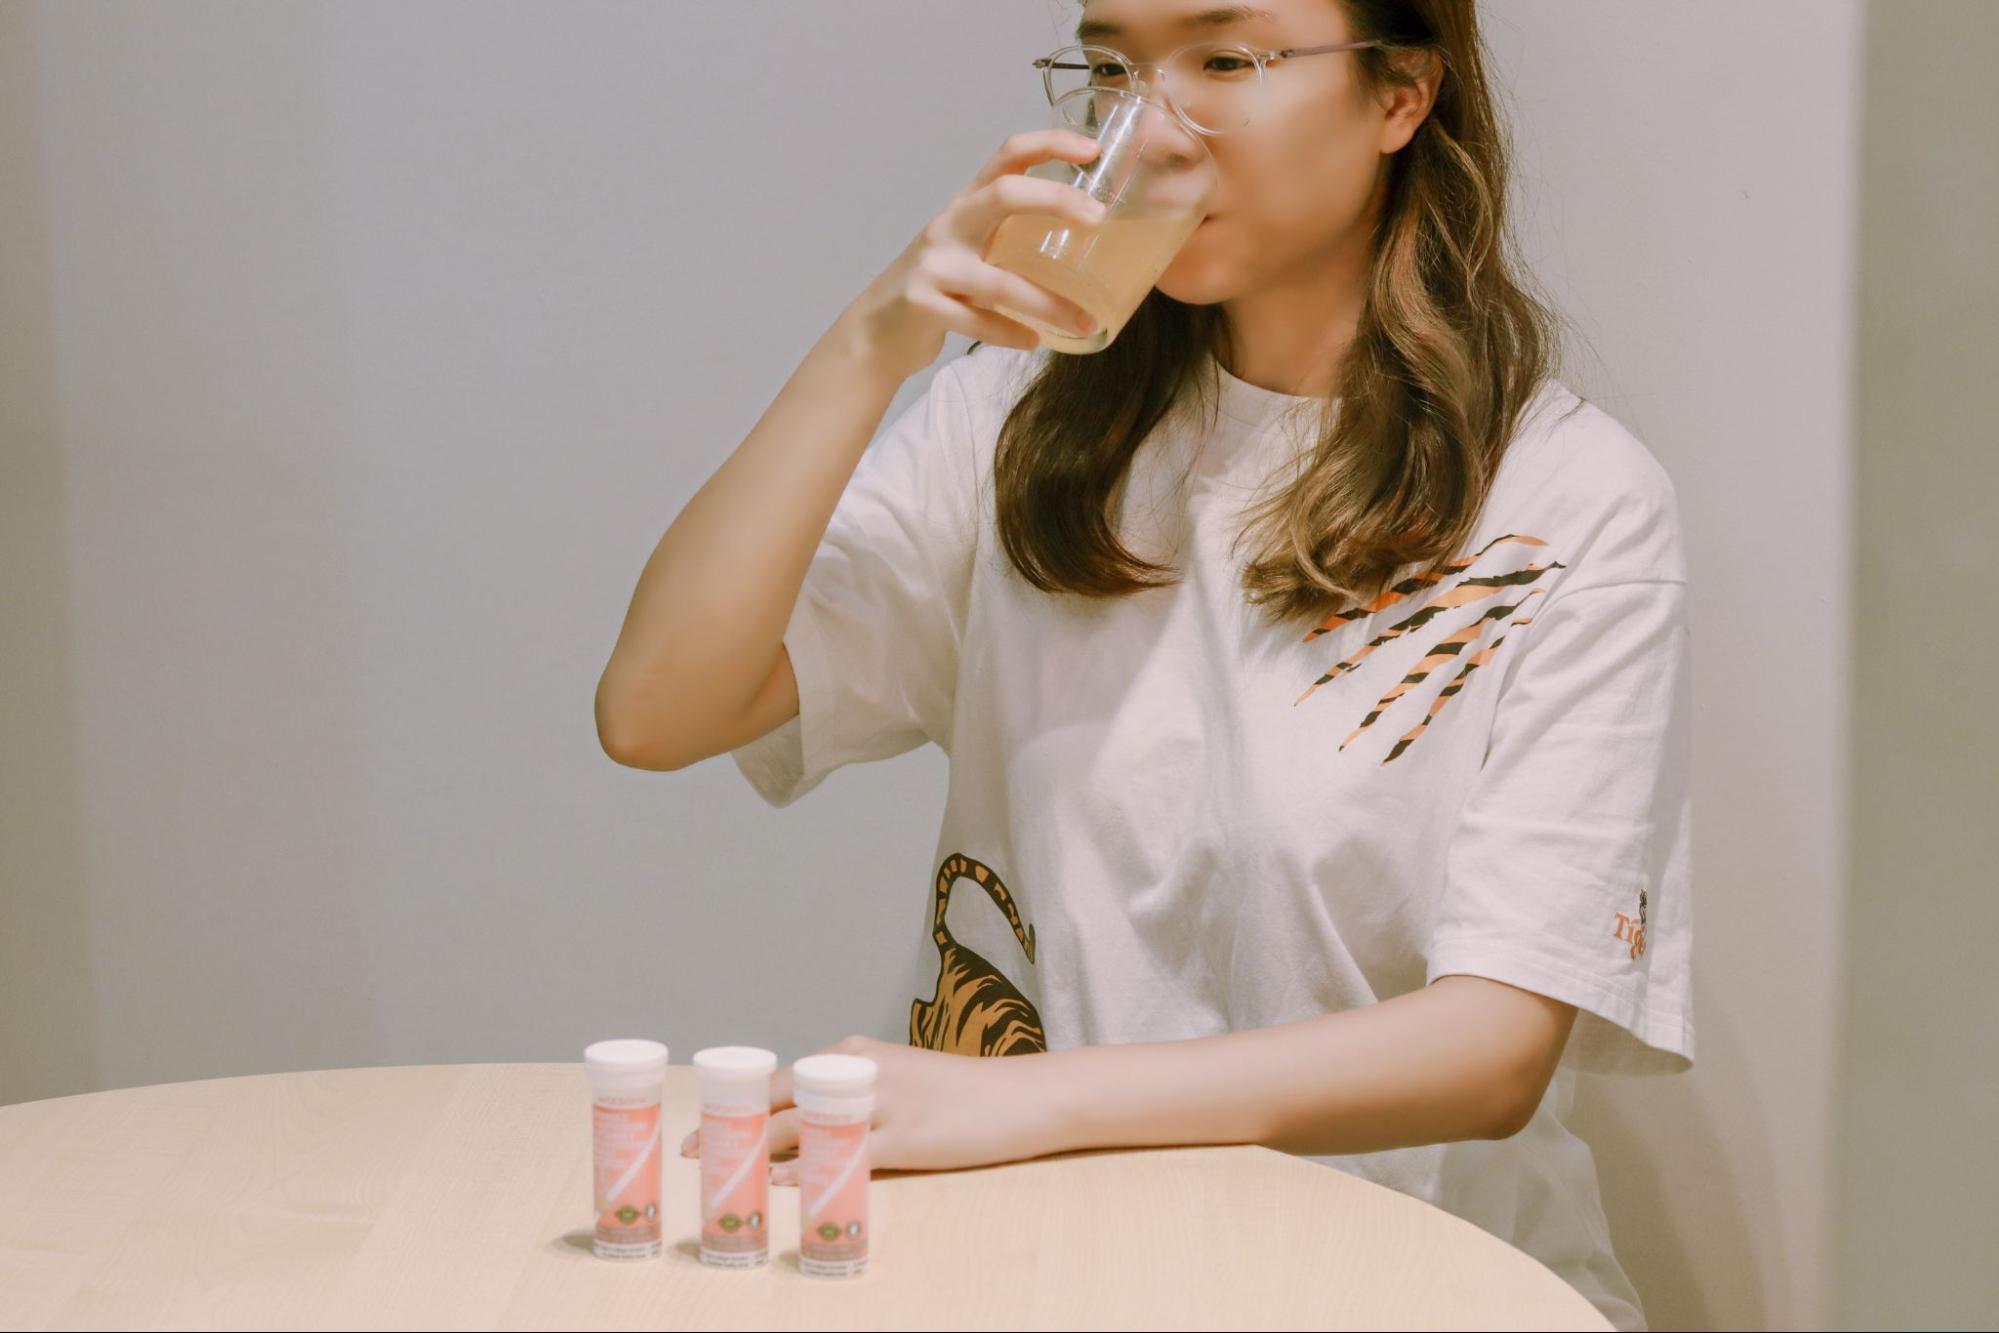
[1155, 178]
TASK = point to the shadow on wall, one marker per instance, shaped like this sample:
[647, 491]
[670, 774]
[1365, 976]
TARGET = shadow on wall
[47, 1010]
[1692, 1271]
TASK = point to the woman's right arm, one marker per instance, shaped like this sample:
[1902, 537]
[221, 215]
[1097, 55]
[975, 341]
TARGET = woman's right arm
[700, 666]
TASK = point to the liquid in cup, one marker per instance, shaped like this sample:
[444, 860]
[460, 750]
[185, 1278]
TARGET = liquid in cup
[1155, 177]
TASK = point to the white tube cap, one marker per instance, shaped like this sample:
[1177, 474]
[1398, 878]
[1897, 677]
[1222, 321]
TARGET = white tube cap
[625, 1055]
[739, 1060]
[626, 1067]
[833, 1075]
[735, 1075]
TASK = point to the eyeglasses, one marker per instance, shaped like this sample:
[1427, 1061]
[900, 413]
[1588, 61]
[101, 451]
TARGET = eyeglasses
[1216, 87]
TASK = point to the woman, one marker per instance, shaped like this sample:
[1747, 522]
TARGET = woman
[1312, 663]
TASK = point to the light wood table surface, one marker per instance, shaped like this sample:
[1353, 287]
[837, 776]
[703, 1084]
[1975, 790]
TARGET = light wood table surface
[459, 1196]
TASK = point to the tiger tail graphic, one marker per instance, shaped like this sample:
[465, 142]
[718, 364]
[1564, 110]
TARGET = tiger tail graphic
[976, 1010]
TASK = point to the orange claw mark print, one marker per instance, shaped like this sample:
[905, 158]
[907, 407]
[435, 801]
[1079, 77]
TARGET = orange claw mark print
[1465, 592]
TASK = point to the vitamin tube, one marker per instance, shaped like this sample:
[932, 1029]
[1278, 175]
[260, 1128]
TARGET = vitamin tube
[836, 1100]
[627, 1077]
[735, 1154]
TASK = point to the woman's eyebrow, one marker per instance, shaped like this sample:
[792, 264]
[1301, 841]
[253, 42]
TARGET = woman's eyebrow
[1207, 18]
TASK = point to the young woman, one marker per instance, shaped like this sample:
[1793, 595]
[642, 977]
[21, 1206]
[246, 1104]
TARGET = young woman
[1313, 664]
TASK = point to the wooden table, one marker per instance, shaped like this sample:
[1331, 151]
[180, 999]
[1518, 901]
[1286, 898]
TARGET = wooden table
[459, 1196]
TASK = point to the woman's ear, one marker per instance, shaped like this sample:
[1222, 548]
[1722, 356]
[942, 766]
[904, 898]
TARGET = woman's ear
[1406, 105]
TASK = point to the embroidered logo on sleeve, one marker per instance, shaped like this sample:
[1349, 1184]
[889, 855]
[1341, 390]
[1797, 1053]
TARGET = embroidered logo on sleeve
[1632, 928]
[1460, 646]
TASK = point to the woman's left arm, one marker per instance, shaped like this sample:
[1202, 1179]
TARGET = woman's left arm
[1463, 1058]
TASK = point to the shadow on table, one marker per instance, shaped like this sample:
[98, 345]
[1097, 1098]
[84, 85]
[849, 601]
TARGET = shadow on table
[582, 1242]
[573, 1244]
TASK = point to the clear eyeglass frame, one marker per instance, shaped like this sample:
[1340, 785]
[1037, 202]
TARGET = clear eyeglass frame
[1075, 57]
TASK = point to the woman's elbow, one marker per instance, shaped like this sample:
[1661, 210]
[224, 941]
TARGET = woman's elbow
[1517, 1093]
[1514, 1108]
[628, 741]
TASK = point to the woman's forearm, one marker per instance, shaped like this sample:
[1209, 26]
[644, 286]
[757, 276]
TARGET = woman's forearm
[1462, 1058]
[706, 622]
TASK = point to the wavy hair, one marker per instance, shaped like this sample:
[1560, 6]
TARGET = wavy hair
[1450, 348]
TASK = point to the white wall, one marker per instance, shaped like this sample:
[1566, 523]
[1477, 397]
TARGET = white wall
[357, 354]
[1690, 175]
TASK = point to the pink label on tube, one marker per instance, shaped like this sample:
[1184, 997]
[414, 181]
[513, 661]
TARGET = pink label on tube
[735, 1185]
[832, 1197]
[626, 1179]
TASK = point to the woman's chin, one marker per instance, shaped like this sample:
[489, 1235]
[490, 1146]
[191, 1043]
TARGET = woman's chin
[1196, 274]
[1195, 283]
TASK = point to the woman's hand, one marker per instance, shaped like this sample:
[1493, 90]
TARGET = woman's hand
[933, 1111]
[941, 283]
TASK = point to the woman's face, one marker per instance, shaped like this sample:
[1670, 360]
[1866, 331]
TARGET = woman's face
[1299, 184]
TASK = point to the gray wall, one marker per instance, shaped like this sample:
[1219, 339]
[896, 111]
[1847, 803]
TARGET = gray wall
[1918, 1166]
[1689, 178]
[356, 355]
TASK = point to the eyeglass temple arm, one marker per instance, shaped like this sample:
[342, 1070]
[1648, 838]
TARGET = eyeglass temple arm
[1044, 62]
[1319, 50]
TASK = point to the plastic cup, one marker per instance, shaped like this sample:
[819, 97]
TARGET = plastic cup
[1155, 178]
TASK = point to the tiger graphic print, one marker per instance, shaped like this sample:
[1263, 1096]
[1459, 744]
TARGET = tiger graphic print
[975, 1010]
[1453, 647]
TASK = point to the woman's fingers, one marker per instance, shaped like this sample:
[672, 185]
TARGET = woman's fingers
[972, 217]
[903, 316]
[881, 1154]
[784, 1139]
[984, 285]
[783, 1131]
[780, 1097]
[782, 1135]
[1028, 147]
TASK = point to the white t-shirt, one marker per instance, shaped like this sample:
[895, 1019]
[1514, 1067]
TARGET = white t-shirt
[1168, 818]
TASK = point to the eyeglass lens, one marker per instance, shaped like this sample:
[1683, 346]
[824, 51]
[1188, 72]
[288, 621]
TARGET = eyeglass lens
[1217, 85]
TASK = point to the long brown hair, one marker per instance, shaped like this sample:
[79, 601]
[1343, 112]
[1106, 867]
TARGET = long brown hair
[1449, 349]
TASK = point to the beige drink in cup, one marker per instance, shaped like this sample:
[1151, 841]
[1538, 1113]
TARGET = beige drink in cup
[1155, 179]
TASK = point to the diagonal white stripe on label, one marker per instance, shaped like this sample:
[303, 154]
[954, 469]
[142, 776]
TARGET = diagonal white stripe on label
[838, 1180]
[735, 1179]
[632, 1171]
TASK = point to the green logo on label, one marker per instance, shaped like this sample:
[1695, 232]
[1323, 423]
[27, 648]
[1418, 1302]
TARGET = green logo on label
[730, 1221]
[829, 1231]
[628, 1214]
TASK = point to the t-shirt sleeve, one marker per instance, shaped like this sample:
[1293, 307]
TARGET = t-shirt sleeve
[873, 637]
[1569, 868]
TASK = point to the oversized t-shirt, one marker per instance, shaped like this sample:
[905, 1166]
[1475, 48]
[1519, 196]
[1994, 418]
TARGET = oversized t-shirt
[1169, 818]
